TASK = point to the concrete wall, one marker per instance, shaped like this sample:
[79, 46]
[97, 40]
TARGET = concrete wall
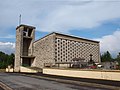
[44, 51]
[84, 74]
[68, 47]
[18, 49]
[31, 45]
[9, 70]
[27, 70]
[22, 45]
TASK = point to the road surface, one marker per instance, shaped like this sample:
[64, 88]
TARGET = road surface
[22, 82]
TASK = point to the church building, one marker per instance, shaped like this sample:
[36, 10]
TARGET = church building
[53, 50]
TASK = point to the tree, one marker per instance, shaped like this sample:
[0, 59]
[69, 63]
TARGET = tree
[11, 59]
[118, 58]
[106, 57]
[6, 59]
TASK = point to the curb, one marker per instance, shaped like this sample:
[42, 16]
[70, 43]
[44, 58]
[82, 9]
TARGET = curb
[4, 86]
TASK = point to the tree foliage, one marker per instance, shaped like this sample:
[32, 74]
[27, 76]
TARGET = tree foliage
[6, 59]
[118, 58]
[106, 57]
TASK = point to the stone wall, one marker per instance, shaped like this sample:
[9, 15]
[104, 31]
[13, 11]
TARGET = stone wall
[44, 51]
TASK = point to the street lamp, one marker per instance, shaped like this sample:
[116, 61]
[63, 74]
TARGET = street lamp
[91, 57]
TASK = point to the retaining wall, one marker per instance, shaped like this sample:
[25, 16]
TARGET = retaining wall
[107, 75]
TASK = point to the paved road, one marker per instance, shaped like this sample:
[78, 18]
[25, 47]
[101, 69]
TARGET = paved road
[20, 82]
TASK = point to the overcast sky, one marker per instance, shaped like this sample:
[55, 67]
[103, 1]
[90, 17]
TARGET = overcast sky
[92, 19]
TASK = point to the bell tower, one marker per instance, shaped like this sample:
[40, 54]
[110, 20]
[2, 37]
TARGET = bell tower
[25, 36]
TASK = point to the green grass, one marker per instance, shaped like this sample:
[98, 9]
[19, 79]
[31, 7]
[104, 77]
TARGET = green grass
[2, 70]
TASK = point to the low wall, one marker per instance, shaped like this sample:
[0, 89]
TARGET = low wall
[27, 70]
[9, 70]
[23, 69]
[84, 74]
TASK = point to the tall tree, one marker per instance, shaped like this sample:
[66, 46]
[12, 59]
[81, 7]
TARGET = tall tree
[6, 59]
[106, 57]
[118, 58]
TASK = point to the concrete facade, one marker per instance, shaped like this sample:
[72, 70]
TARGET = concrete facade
[51, 49]
[69, 47]
[25, 36]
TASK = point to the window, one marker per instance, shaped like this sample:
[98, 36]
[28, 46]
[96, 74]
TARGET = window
[55, 45]
[55, 60]
[25, 33]
[55, 40]
[58, 40]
